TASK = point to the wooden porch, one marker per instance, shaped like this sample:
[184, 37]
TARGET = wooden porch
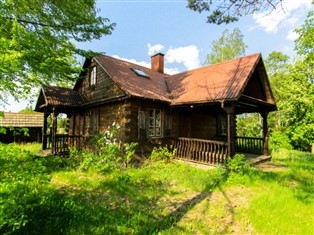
[211, 152]
[62, 143]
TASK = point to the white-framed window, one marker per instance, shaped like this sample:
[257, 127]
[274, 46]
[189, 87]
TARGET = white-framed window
[92, 76]
[154, 125]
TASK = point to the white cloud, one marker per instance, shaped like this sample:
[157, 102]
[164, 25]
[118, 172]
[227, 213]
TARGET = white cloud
[282, 15]
[188, 56]
[171, 71]
[153, 49]
[292, 35]
[147, 65]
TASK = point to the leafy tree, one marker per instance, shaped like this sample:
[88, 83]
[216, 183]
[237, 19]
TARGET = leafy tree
[36, 41]
[227, 11]
[228, 46]
[294, 91]
[305, 45]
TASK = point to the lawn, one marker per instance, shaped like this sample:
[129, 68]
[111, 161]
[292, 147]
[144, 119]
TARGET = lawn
[52, 196]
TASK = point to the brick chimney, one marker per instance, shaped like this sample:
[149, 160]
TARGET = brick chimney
[157, 62]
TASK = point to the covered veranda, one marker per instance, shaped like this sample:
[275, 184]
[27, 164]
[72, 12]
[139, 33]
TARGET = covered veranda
[53, 101]
[216, 149]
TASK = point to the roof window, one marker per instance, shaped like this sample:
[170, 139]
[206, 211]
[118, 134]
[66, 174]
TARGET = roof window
[140, 73]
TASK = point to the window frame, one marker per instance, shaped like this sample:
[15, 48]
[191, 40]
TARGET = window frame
[92, 76]
[222, 125]
[155, 125]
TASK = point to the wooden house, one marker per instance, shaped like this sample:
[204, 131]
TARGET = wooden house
[195, 110]
[14, 122]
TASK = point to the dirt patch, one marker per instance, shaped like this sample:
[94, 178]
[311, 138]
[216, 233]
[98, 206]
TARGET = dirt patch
[271, 167]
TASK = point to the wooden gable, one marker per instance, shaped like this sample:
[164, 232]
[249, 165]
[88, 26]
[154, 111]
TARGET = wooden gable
[104, 88]
[258, 86]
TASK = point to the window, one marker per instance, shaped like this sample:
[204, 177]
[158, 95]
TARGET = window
[87, 124]
[168, 124]
[92, 76]
[154, 122]
[140, 73]
[222, 125]
[94, 123]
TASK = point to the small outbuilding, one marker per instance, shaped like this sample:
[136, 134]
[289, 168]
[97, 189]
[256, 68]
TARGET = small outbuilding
[17, 124]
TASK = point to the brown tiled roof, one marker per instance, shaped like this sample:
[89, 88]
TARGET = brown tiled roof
[154, 87]
[58, 97]
[217, 82]
[22, 120]
[212, 83]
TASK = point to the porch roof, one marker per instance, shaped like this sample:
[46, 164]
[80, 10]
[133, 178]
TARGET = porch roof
[58, 97]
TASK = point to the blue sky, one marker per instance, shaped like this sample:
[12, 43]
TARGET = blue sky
[146, 27]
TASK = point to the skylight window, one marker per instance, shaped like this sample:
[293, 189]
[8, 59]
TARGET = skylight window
[140, 73]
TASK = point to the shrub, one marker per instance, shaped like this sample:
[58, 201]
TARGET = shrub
[279, 140]
[108, 153]
[237, 164]
[164, 154]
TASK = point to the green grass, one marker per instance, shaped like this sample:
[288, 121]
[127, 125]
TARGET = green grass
[48, 196]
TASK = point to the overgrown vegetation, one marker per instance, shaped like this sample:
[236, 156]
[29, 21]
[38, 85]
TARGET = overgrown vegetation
[108, 152]
[54, 195]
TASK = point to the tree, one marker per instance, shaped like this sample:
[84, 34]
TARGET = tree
[294, 90]
[304, 45]
[228, 46]
[36, 42]
[227, 11]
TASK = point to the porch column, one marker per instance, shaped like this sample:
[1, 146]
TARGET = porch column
[54, 131]
[44, 146]
[264, 115]
[231, 138]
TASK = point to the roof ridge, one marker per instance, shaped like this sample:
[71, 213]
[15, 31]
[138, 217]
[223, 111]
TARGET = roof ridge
[219, 63]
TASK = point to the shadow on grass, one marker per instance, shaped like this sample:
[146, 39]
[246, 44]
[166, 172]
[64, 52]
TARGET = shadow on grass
[164, 222]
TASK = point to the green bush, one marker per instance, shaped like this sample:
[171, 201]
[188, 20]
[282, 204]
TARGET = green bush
[109, 153]
[164, 154]
[237, 164]
[279, 140]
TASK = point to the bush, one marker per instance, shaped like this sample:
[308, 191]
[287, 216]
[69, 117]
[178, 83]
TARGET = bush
[237, 164]
[279, 140]
[164, 154]
[108, 153]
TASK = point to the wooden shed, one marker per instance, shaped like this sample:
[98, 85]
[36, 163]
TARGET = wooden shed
[14, 124]
[194, 110]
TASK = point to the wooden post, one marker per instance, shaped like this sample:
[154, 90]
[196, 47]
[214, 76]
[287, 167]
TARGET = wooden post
[54, 131]
[231, 129]
[44, 146]
[264, 114]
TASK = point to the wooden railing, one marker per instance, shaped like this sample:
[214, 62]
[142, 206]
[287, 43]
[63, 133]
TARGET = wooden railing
[201, 151]
[250, 145]
[62, 143]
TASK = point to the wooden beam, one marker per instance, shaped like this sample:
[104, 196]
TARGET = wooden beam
[54, 131]
[264, 114]
[44, 145]
[231, 128]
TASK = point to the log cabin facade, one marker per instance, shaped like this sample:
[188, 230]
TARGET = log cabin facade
[195, 110]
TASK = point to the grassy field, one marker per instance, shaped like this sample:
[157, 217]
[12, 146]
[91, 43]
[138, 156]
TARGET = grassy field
[51, 196]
